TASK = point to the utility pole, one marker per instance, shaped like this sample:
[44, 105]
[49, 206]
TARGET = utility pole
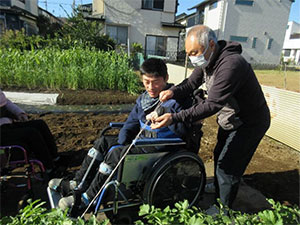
[73, 7]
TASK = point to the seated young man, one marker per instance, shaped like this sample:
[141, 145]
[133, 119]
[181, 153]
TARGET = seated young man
[155, 76]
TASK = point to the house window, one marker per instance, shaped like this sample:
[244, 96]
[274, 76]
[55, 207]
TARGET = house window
[238, 38]
[254, 42]
[118, 33]
[153, 4]
[287, 52]
[5, 3]
[213, 5]
[156, 45]
[191, 21]
[295, 36]
[269, 44]
[244, 2]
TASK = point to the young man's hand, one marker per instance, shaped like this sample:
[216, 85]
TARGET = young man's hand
[162, 121]
[152, 116]
[165, 95]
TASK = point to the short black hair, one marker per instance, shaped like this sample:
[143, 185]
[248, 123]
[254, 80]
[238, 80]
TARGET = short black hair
[155, 67]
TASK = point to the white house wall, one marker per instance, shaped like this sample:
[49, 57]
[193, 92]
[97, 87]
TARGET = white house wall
[265, 19]
[32, 6]
[212, 17]
[141, 22]
[292, 44]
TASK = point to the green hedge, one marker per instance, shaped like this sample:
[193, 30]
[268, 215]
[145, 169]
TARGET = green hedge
[76, 68]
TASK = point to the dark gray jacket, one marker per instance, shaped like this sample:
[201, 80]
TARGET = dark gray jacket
[234, 86]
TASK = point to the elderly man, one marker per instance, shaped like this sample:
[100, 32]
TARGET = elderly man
[234, 94]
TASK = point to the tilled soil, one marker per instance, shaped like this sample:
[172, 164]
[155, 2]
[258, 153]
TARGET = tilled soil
[274, 169]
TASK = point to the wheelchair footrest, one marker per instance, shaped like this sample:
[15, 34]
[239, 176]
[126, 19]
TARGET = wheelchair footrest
[54, 197]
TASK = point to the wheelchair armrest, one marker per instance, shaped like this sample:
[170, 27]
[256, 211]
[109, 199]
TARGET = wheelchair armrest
[116, 125]
[158, 142]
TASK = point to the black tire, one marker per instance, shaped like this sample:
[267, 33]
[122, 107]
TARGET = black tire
[176, 177]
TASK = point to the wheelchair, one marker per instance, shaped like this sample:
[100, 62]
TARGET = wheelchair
[160, 179]
[17, 171]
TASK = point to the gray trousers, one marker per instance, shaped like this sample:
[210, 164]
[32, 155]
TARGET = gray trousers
[232, 155]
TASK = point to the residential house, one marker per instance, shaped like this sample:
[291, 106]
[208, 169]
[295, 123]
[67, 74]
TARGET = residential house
[50, 16]
[259, 25]
[187, 21]
[291, 45]
[18, 14]
[148, 22]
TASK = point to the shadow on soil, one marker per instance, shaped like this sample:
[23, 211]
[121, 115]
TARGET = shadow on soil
[284, 186]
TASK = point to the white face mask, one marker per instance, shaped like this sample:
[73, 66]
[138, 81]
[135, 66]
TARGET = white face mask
[199, 60]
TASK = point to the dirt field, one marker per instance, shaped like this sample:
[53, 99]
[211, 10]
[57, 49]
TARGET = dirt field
[274, 169]
[288, 80]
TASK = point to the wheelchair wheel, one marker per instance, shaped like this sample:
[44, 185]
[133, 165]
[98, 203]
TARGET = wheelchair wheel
[175, 178]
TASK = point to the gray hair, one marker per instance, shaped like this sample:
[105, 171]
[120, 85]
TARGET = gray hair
[203, 33]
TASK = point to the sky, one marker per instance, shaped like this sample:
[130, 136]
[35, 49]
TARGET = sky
[60, 7]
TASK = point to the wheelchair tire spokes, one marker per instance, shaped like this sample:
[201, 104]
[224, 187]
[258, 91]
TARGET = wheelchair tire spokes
[178, 177]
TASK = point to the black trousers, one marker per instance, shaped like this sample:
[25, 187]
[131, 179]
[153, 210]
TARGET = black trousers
[102, 145]
[34, 136]
[232, 155]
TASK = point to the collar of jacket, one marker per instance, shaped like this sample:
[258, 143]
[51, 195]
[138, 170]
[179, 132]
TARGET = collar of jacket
[147, 102]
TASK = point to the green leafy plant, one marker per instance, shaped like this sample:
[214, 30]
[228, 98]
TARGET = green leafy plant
[279, 214]
[181, 214]
[136, 47]
[78, 31]
[88, 32]
[35, 214]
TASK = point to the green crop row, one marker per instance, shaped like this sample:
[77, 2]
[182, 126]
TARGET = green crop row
[278, 214]
[76, 68]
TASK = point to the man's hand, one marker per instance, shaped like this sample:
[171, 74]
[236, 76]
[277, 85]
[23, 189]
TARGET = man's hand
[165, 95]
[162, 121]
[22, 117]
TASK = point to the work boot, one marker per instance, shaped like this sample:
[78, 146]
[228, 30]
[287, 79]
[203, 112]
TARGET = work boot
[64, 186]
[76, 202]
[66, 202]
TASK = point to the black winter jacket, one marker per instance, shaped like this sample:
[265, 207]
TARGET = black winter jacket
[233, 78]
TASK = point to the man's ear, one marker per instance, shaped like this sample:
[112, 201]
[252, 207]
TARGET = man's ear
[167, 78]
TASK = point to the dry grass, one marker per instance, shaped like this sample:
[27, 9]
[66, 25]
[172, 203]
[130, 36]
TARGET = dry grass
[277, 79]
